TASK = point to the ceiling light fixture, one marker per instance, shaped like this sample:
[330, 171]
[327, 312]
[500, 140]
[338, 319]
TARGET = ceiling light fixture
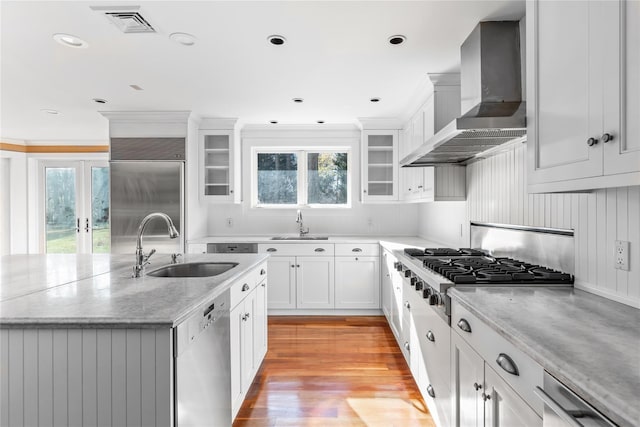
[99, 101]
[183, 38]
[298, 100]
[375, 100]
[397, 39]
[276, 40]
[70, 41]
[49, 111]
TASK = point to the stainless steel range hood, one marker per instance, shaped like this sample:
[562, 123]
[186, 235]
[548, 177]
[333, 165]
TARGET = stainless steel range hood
[491, 90]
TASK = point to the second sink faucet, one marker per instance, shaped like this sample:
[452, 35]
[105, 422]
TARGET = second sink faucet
[141, 258]
[301, 224]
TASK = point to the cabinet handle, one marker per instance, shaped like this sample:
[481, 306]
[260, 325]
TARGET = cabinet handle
[431, 337]
[591, 142]
[406, 346]
[464, 325]
[230, 191]
[263, 272]
[486, 397]
[298, 265]
[507, 363]
[77, 225]
[431, 391]
[245, 287]
[364, 191]
[86, 225]
[272, 250]
[419, 186]
[263, 285]
[407, 305]
[477, 386]
[247, 315]
[319, 249]
[607, 137]
[293, 266]
[356, 250]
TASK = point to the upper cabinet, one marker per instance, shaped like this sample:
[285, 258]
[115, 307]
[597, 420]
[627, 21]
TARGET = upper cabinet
[379, 165]
[219, 165]
[583, 95]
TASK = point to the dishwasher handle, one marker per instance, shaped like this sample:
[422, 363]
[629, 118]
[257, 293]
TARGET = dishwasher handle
[556, 408]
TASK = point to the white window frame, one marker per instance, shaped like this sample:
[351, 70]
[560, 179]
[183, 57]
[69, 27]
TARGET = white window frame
[301, 152]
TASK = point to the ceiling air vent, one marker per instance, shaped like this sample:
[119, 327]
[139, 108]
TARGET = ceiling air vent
[128, 19]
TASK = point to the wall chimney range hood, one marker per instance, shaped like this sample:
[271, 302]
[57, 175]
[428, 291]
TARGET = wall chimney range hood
[491, 96]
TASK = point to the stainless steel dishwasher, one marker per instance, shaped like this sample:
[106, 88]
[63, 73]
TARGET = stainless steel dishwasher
[202, 366]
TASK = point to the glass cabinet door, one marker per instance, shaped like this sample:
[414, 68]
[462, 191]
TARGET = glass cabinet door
[217, 162]
[380, 166]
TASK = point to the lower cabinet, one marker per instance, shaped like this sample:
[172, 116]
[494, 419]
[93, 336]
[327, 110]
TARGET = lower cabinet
[357, 282]
[282, 282]
[315, 282]
[248, 336]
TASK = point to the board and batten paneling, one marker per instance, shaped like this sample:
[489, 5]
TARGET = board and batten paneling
[86, 377]
[497, 193]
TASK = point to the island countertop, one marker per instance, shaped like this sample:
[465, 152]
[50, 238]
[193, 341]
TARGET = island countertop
[97, 291]
[589, 343]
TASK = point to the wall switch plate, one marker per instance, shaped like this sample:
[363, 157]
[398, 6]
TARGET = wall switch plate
[229, 222]
[622, 255]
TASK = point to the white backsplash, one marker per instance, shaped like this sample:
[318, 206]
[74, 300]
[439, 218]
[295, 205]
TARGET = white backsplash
[496, 192]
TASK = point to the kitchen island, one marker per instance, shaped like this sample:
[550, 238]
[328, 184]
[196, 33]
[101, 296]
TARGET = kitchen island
[589, 343]
[83, 343]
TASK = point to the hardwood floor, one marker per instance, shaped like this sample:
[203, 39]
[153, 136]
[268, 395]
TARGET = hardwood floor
[333, 371]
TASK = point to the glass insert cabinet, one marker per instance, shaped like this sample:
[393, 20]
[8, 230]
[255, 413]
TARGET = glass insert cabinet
[380, 165]
[218, 170]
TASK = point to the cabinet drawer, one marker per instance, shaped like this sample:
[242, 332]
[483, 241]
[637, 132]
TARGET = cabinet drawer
[297, 249]
[357, 249]
[244, 285]
[499, 353]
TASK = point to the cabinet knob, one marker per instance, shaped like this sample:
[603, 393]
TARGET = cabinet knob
[607, 137]
[230, 191]
[364, 191]
[245, 287]
[477, 386]
[431, 337]
[263, 272]
[591, 142]
[407, 305]
[485, 397]
[406, 346]
[293, 266]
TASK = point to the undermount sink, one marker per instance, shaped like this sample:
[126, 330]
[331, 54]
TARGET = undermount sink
[300, 238]
[193, 269]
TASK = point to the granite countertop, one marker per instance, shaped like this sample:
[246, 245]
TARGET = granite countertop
[591, 344]
[98, 291]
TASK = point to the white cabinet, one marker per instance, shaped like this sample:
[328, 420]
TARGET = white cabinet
[220, 161]
[467, 375]
[357, 276]
[386, 286]
[379, 165]
[248, 332]
[503, 406]
[583, 95]
[301, 276]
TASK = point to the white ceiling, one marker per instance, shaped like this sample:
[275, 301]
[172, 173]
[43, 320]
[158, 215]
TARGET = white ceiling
[336, 57]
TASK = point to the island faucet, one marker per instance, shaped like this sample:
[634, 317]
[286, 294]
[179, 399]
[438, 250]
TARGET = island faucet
[141, 258]
[301, 224]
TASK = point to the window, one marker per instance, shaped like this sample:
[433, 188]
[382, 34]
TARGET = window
[294, 178]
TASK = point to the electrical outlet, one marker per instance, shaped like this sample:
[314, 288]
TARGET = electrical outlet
[229, 222]
[622, 255]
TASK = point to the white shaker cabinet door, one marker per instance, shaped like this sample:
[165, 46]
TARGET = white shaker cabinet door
[315, 282]
[467, 375]
[504, 407]
[282, 282]
[357, 282]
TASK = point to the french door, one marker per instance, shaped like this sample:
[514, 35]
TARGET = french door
[75, 204]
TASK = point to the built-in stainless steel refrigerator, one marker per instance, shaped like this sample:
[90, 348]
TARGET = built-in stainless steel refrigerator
[147, 175]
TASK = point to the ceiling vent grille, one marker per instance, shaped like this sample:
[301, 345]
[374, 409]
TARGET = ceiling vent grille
[130, 22]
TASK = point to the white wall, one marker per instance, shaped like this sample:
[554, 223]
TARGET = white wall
[14, 203]
[360, 219]
[496, 192]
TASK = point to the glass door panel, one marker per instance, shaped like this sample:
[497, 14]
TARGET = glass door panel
[98, 229]
[61, 217]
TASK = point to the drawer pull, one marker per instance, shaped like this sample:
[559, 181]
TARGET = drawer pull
[319, 249]
[464, 325]
[407, 305]
[245, 287]
[507, 363]
[263, 272]
[406, 346]
[356, 250]
[431, 337]
[272, 250]
[431, 391]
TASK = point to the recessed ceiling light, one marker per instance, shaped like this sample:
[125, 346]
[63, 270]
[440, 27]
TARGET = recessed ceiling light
[99, 101]
[298, 100]
[135, 87]
[375, 100]
[320, 122]
[70, 41]
[276, 40]
[398, 39]
[273, 122]
[183, 38]
[48, 111]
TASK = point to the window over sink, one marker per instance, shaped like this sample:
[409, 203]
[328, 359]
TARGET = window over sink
[293, 178]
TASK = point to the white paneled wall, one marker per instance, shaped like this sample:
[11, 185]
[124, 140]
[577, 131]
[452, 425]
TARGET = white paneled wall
[496, 192]
[88, 377]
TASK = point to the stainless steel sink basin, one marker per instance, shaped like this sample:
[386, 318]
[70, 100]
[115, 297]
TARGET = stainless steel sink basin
[193, 269]
[300, 238]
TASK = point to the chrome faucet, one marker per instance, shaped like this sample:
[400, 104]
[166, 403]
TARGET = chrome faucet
[142, 259]
[301, 224]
